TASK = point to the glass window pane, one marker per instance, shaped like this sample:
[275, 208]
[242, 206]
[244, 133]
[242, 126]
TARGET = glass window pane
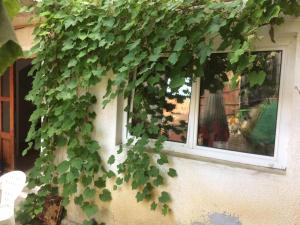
[171, 111]
[179, 103]
[5, 84]
[243, 118]
[5, 116]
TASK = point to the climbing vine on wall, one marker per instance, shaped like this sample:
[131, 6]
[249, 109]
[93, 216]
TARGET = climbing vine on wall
[150, 46]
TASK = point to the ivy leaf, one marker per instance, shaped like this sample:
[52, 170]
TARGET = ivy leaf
[109, 22]
[164, 197]
[273, 12]
[245, 61]
[139, 196]
[86, 180]
[88, 222]
[100, 183]
[153, 206]
[213, 28]
[99, 72]
[69, 22]
[177, 81]
[234, 81]
[65, 202]
[69, 189]
[93, 146]
[173, 58]
[72, 175]
[105, 196]
[165, 210]
[25, 151]
[119, 181]
[72, 63]
[237, 52]
[89, 209]
[158, 181]
[78, 200]
[111, 160]
[172, 172]
[63, 167]
[156, 54]
[62, 179]
[89, 193]
[82, 36]
[154, 171]
[110, 174]
[256, 78]
[205, 50]
[152, 81]
[120, 150]
[61, 141]
[76, 163]
[133, 45]
[163, 159]
[69, 44]
[180, 44]
[92, 59]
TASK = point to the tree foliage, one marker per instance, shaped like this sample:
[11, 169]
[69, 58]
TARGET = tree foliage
[150, 46]
[9, 47]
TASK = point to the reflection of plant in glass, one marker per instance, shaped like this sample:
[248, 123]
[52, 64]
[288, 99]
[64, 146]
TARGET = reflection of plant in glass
[169, 110]
[255, 89]
[247, 105]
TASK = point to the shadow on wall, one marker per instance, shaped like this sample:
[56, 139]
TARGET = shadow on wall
[221, 219]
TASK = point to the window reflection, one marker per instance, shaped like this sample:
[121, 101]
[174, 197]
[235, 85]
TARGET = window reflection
[244, 118]
[171, 111]
[177, 107]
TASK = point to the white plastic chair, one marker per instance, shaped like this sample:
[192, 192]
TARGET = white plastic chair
[11, 185]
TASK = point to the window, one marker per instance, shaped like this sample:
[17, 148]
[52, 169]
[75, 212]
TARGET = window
[243, 118]
[234, 123]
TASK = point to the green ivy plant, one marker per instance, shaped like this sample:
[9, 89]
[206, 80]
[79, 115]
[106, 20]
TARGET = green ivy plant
[150, 46]
[10, 50]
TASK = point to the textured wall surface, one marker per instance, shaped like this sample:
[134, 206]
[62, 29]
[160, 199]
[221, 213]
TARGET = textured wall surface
[24, 29]
[25, 38]
[209, 193]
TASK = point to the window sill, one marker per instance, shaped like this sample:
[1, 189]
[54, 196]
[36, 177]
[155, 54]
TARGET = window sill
[259, 163]
[224, 156]
[267, 165]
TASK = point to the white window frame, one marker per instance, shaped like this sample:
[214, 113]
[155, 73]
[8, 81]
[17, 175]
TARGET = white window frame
[190, 149]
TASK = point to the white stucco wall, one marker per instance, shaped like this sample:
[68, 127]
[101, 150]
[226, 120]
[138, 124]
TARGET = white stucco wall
[24, 37]
[205, 191]
[24, 29]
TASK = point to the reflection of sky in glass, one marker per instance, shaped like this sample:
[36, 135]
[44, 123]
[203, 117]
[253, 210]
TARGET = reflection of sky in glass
[184, 90]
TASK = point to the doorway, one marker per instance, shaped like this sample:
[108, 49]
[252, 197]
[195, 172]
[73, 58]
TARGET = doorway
[15, 112]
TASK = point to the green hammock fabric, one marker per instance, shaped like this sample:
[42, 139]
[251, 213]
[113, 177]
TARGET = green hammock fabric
[9, 47]
[264, 128]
